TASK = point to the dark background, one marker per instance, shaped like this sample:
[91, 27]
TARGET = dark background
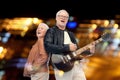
[82, 9]
[108, 66]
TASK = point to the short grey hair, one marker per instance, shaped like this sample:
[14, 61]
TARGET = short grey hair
[62, 10]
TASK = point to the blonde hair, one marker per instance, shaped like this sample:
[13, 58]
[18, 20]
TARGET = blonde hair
[45, 25]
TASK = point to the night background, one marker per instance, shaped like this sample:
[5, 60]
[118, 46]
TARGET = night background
[89, 19]
[82, 9]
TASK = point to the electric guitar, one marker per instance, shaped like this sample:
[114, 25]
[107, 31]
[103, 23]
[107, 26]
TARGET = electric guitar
[66, 62]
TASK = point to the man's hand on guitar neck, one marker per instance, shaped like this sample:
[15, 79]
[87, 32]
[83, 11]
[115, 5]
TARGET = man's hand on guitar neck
[92, 48]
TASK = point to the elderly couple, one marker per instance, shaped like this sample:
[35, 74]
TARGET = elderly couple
[54, 41]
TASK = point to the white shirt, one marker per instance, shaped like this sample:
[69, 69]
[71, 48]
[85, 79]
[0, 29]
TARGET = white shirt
[67, 39]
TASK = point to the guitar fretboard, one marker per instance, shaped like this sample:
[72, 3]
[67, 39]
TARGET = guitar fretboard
[79, 51]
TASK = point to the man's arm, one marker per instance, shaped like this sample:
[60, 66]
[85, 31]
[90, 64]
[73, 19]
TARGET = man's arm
[51, 47]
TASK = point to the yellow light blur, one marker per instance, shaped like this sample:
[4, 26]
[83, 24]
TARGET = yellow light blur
[106, 22]
[60, 73]
[116, 26]
[28, 21]
[37, 21]
[3, 52]
[25, 29]
[94, 26]
[1, 49]
[118, 33]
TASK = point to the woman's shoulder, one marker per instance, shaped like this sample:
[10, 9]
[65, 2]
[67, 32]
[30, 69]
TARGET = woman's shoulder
[35, 44]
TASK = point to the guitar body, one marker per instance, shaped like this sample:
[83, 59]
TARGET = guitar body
[66, 62]
[60, 63]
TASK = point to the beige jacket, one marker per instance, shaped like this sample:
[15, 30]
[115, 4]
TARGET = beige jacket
[37, 60]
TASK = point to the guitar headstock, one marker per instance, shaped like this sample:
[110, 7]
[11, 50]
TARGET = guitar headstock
[106, 36]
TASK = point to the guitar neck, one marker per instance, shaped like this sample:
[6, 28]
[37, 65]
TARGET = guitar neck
[79, 51]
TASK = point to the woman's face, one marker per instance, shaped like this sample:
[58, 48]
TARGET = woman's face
[41, 30]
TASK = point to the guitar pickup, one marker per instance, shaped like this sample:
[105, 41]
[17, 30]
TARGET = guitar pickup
[74, 54]
[68, 57]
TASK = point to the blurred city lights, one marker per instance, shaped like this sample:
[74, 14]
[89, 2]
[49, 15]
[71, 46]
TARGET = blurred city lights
[72, 25]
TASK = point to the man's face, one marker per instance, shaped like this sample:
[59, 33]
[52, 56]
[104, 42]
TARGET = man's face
[62, 18]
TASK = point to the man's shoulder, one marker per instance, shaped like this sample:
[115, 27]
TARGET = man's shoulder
[70, 32]
[52, 28]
